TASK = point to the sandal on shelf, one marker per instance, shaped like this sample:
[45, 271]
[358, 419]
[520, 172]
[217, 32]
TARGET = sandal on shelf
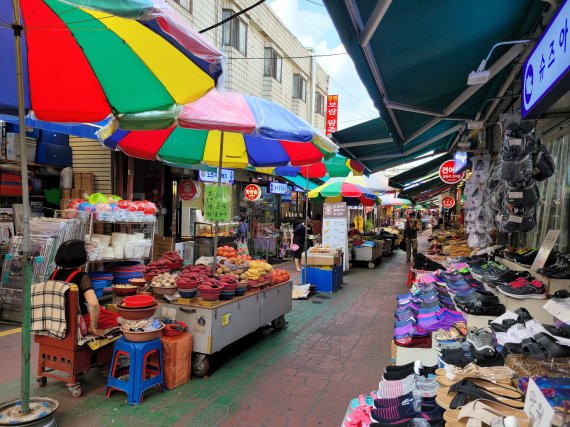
[484, 412]
[443, 335]
[460, 328]
[451, 374]
[478, 308]
[466, 390]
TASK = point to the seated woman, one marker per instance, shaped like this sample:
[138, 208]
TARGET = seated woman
[70, 257]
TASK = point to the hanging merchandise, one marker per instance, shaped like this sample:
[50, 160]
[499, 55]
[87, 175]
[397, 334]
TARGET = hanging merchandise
[523, 161]
[477, 222]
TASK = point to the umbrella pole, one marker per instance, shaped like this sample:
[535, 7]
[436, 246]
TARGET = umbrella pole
[306, 248]
[217, 223]
[26, 261]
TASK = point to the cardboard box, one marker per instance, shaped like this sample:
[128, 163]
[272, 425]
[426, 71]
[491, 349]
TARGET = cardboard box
[76, 193]
[13, 148]
[322, 259]
[176, 360]
[88, 182]
[161, 245]
[66, 194]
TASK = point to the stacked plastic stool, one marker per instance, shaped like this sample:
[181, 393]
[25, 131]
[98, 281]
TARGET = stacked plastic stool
[143, 372]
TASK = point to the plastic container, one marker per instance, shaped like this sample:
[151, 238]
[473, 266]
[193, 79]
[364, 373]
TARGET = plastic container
[138, 301]
[143, 336]
[136, 313]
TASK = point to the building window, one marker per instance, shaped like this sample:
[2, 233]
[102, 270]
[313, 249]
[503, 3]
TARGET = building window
[234, 32]
[320, 104]
[299, 87]
[186, 4]
[272, 64]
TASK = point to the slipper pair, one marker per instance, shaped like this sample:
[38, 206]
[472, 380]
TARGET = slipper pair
[451, 374]
[485, 412]
[464, 391]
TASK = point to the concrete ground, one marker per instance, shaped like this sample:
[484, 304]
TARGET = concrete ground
[334, 348]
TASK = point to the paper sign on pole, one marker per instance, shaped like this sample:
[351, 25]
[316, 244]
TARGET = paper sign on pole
[217, 202]
[537, 407]
[335, 230]
[545, 249]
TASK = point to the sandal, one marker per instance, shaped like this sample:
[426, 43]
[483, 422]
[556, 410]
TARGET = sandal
[483, 412]
[461, 328]
[479, 308]
[451, 374]
[443, 335]
[457, 395]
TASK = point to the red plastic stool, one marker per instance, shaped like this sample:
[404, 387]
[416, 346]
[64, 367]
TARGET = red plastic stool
[411, 278]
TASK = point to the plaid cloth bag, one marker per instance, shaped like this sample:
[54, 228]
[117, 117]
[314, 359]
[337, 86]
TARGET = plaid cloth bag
[48, 307]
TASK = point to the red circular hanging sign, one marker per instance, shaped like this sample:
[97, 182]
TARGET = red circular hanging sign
[252, 192]
[188, 190]
[447, 175]
[448, 202]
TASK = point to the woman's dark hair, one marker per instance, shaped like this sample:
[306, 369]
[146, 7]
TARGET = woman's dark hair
[71, 254]
[242, 217]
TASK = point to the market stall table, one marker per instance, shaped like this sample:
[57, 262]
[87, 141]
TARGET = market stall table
[369, 254]
[215, 325]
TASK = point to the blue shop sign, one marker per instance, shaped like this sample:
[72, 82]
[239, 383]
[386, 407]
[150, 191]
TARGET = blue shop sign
[545, 76]
[212, 176]
[287, 196]
[277, 187]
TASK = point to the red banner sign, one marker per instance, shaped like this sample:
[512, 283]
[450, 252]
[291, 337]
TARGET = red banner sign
[332, 115]
[188, 190]
[447, 173]
[448, 202]
[252, 192]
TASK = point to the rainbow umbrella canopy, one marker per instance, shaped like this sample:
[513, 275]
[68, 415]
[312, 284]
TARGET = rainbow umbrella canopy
[387, 200]
[253, 132]
[334, 167]
[84, 60]
[339, 190]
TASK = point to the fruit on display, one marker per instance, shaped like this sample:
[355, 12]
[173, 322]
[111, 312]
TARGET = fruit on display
[257, 269]
[280, 276]
[226, 251]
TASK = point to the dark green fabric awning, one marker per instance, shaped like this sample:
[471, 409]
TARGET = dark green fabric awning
[427, 189]
[414, 56]
[406, 178]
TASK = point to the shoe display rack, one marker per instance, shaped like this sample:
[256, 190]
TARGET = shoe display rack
[552, 285]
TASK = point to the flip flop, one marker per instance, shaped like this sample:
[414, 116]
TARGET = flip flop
[457, 395]
[483, 412]
[451, 374]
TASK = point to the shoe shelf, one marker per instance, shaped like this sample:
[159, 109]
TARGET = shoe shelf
[428, 356]
[552, 285]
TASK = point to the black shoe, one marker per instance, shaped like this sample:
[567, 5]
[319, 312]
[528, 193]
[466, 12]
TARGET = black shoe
[392, 368]
[507, 278]
[398, 375]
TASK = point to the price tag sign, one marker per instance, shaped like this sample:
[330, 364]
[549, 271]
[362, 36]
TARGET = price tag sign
[447, 173]
[545, 249]
[537, 407]
[217, 202]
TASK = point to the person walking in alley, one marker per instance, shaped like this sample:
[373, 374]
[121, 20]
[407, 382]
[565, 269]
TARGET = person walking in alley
[411, 236]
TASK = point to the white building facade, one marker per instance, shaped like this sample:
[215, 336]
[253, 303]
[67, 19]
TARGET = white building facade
[264, 58]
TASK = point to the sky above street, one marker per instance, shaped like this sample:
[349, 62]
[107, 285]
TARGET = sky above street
[311, 24]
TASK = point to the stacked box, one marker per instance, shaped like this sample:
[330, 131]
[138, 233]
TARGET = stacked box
[176, 360]
[10, 184]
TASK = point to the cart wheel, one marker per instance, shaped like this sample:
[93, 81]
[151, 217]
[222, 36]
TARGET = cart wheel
[75, 390]
[278, 323]
[201, 368]
[42, 381]
[371, 265]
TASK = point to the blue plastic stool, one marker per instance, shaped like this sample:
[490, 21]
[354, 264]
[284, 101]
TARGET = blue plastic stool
[139, 369]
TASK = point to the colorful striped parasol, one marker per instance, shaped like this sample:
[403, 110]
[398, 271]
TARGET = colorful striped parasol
[339, 190]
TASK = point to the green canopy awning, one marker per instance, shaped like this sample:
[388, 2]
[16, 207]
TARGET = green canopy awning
[408, 177]
[301, 182]
[414, 56]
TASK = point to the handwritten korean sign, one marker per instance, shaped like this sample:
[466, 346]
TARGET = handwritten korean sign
[331, 121]
[548, 62]
[217, 202]
[537, 407]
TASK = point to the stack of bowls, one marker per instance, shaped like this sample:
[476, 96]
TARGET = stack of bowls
[101, 280]
[228, 291]
[210, 292]
[125, 270]
[139, 307]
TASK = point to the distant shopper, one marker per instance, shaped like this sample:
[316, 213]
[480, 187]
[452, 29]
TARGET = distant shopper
[241, 234]
[352, 231]
[299, 244]
[411, 236]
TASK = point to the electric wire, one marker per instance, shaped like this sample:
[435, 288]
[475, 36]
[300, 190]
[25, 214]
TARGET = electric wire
[235, 15]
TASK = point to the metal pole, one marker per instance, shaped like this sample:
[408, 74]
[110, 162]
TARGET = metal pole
[26, 262]
[217, 223]
[306, 246]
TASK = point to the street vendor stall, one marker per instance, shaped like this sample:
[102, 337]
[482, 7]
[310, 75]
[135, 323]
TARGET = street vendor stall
[215, 325]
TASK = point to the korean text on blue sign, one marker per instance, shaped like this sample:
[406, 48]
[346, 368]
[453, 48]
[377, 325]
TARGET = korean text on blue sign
[277, 188]
[548, 62]
[212, 176]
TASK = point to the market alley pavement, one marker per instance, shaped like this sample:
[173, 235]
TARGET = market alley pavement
[334, 348]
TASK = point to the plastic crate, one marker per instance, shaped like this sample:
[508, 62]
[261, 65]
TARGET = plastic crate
[325, 280]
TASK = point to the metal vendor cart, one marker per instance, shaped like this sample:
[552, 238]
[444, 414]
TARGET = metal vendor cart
[370, 254]
[225, 322]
